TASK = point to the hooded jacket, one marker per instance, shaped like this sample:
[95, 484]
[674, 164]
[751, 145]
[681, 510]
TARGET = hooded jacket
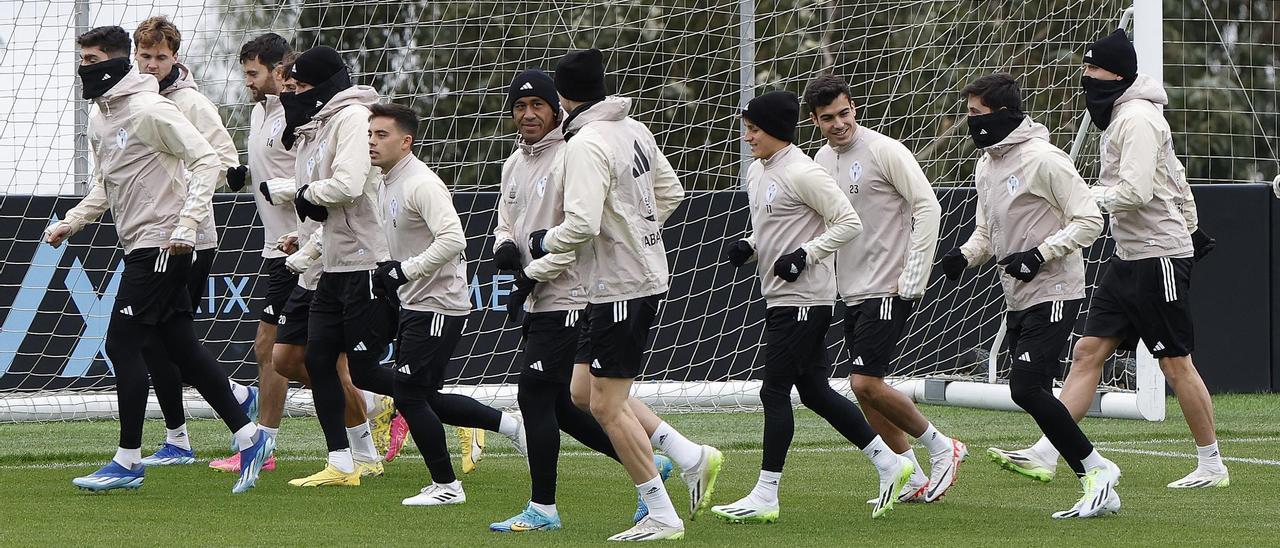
[425, 234]
[618, 190]
[268, 160]
[795, 204]
[152, 167]
[899, 212]
[1031, 196]
[1141, 183]
[333, 161]
[531, 200]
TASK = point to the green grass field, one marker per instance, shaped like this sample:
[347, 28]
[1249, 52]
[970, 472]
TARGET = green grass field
[823, 490]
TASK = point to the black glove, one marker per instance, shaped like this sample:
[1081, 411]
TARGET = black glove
[1023, 265]
[265, 191]
[236, 178]
[739, 253]
[789, 266]
[1203, 243]
[507, 257]
[388, 278]
[535, 244]
[521, 287]
[306, 209]
[954, 263]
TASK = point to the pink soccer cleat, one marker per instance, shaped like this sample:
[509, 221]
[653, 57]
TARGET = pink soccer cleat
[232, 464]
[399, 433]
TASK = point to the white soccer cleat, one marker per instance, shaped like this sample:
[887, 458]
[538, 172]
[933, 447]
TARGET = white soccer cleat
[943, 469]
[518, 439]
[746, 511]
[1024, 462]
[701, 480]
[437, 494]
[1201, 478]
[1099, 498]
[913, 491]
[891, 482]
[648, 529]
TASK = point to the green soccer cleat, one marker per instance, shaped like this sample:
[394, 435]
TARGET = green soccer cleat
[701, 480]
[1023, 462]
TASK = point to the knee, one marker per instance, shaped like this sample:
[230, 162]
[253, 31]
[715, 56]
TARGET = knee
[1087, 354]
[865, 388]
[816, 397]
[773, 394]
[604, 411]
[1177, 369]
[581, 396]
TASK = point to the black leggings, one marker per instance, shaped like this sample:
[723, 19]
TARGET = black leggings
[166, 375]
[427, 410]
[547, 409]
[1033, 392]
[816, 394]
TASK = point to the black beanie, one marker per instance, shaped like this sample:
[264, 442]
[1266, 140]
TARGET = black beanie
[1115, 53]
[533, 83]
[580, 75]
[317, 65]
[776, 112]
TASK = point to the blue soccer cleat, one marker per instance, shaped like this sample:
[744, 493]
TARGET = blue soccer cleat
[250, 408]
[168, 455]
[663, 464]
[111, 476]
[252, 458]
[531, 519]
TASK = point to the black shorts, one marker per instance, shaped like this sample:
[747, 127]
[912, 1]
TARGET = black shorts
[345, 310]
[872, 331]
[1036, 338]
[620, 336]
[198, 277]
[795, 342]
[583, 354]
[154, 287]
[1148, 299]
[551, 341]
[280, 284]
[294, 315]
[424, 346]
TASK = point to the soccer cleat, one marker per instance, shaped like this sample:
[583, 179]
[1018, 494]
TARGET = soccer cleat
[943, 470]
[518, 439]
[232, 464]
[1201, 478]
[891, 482]
[531, 519]
[1099, 498]
[913, 491]
[437, 494]
[471, 440]
[399, 433]
[746, 511]
[664, 466]
[250, 407]
[369, 469]
[169, 454]
[380, 424]
[111, 476]
[650, 529]
[252, 459]
[701, 480]
[326, 477]
[1024, 462]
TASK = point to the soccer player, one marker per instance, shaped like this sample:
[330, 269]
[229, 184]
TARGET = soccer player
[427, 277]
[141, 150]
[551, 290]
[799, 218]
[1145, 291]
[1034, 213]
[882, 273]
[157, 42]
[618, 190]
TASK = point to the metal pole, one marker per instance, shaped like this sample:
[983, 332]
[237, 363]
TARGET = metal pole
[746, 69]
[1087, 119]
[80, 161]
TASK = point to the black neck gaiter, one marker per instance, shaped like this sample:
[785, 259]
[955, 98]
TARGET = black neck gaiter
[1100, 98]
[98, 78]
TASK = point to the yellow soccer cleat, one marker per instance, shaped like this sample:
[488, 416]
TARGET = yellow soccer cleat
[369, 469]
[380, 423]
[327, 477]
[471, 440]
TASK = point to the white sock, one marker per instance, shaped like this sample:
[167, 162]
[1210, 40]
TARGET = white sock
[1094, 460]
[244, 436]
[240, 391]
[370, 402]
[361, 440]
[456, 485]
[918, 475]
[880, 454]
[548, 509]
[685, 453]
[341, 459]
[654, 494]
[1209, 457]
[273, 432]
[765, 493]
[178, 437]
[1046, 450]
[128, 458]
[509, 425]
[934, 441]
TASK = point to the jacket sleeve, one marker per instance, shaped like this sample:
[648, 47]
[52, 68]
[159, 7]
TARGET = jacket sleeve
[502, 230]
[351, 165]
[977, 249]
[550, 266]
[164, 127]
[1186, 200]
[1055, 179]
[667, 190]
[1139, 141]
[909, 180]
[204, 116]
[587, 180]
[430, 200]
[815, 187]
[91, 207]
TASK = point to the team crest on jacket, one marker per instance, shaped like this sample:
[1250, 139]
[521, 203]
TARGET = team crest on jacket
[122, 138]
[275, 132]
[771, 193]
[541, 187]
[1013, 183]
[855, 171]
[394, 209]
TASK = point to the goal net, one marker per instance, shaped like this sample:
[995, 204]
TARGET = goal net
[689, 67]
